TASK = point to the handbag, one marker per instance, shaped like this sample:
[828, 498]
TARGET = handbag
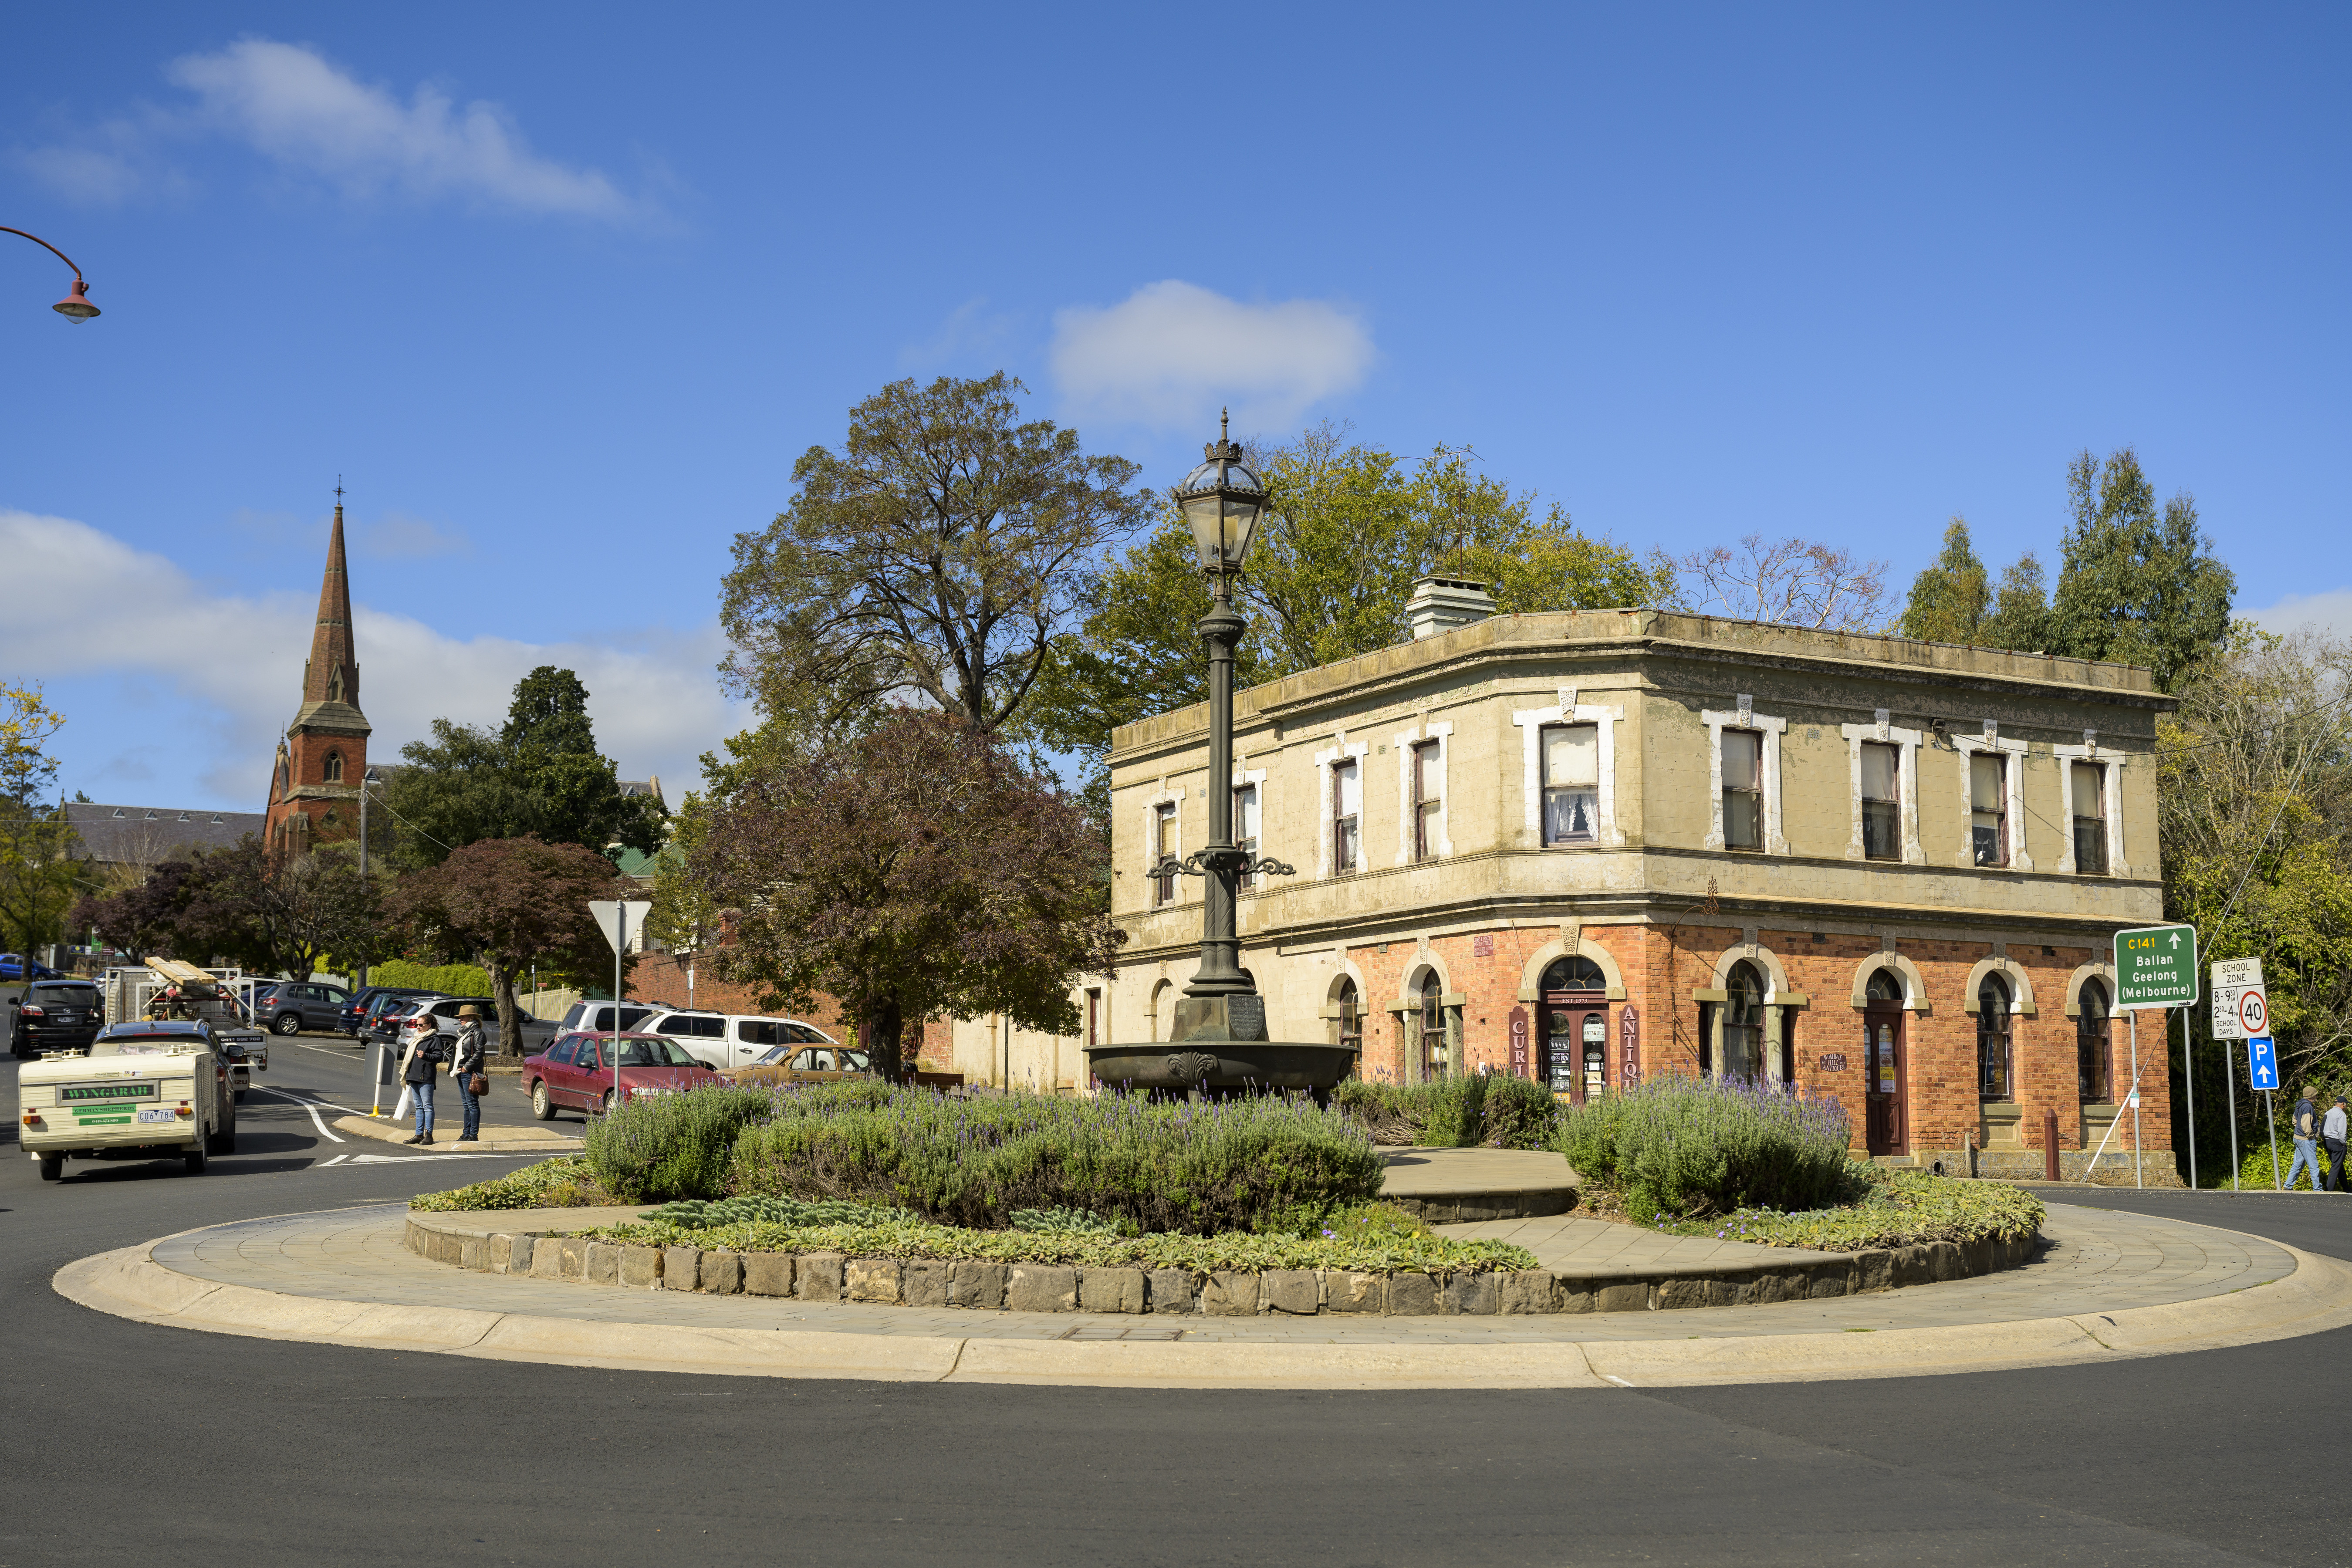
[478, 1084]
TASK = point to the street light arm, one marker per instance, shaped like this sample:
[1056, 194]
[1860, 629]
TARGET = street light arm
[45, 245]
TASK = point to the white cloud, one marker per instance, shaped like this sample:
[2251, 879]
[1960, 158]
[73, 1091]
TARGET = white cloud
[220, 674]
[2330, 612]
[1169, 352]
[291, 105]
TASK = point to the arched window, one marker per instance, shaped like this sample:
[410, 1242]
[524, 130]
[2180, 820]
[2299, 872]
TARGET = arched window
[1575, 973]
[1994, 1068]
[2091, 1039]
[1352, 1017]
[1885, 985]
[1743, 1023]
[334, 767]
[1433, 1026]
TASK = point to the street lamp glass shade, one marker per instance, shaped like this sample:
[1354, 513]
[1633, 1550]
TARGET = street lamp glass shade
[76, 306]
[1222, 501]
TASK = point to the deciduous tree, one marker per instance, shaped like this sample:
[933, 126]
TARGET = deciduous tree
[937, 552]
[917, 870]
[38, 869]
[1788, 582]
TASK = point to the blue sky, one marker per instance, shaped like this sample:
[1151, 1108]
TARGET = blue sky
[560, 292]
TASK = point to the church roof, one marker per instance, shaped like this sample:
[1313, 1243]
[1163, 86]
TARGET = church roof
[330, 681]
[148, 834]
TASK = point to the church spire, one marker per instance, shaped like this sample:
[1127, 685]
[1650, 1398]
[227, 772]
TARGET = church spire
[333, 672]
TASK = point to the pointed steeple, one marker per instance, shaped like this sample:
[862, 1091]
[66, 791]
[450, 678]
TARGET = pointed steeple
[332, 675]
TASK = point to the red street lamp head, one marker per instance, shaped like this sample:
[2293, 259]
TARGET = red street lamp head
[76, 306]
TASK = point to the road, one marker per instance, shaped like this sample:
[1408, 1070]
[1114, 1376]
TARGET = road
[135, 1444]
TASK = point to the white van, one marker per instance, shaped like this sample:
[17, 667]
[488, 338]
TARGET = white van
[724, 1041]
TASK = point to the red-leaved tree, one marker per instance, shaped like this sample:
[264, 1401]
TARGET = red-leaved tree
[915, 871]
[507, 903]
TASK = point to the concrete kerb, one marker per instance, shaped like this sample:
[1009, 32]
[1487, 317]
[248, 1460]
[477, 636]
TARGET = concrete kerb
[477, 1240]
[130, 1283]
[497, 1140]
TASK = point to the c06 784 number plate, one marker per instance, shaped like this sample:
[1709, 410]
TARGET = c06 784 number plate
[157, 1113]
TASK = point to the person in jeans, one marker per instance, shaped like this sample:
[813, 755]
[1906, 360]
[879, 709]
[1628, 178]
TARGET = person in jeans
[425, 1058]
[2307, 1139]
[2331, 1134]
[471, 1050]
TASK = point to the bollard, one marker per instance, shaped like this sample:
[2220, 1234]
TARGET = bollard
[2050, 1144]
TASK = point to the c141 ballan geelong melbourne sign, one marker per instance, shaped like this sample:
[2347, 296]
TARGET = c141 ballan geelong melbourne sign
[2156, 967]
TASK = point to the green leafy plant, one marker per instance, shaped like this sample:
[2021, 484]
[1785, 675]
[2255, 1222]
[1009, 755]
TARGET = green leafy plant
[1893, 1208]
[674, 1145]
[1683, 1147]
[566, 1182]
[1499, 1110]
[1064, 1221]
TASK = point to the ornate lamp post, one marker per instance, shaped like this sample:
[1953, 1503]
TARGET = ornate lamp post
[1219, 1038]
[74, 307]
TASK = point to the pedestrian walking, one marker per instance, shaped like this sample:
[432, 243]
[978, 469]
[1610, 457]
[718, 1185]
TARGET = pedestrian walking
[2307, 1139]
[2331, 1134]
[417, 1070]
[466, 1072]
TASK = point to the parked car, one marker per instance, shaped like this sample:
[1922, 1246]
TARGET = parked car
[725, 1041]
[354, 1012]
[385, 1015]
[599, 1016]
[804, 1064]
[294, 1006]
[58, 1016]
[12, 967]
[576, 1071]
[443, 1010]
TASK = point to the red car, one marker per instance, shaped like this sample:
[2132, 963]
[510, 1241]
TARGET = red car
[576, 1072]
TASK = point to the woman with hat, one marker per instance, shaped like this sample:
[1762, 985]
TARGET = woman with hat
[418, 1069]
[468, 1070]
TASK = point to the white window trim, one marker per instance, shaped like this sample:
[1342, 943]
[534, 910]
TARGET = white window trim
[2111, 801]
[1253, 778]
[2012, 786]
[1906, 780]
[1531, 722]
[1405, 741]
[1716, 723]
[1343, 751]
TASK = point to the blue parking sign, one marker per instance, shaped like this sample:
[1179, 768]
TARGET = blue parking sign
[2262, 1059]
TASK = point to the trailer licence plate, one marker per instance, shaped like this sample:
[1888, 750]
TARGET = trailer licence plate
[157, 1113]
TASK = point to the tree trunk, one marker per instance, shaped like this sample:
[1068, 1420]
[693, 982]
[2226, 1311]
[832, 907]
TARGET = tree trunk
[510, 1011]
[882, 1029]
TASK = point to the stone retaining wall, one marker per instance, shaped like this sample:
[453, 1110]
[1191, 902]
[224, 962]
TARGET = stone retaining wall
[1221, 1293]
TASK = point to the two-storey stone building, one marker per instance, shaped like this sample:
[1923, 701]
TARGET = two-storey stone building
[1589, 847]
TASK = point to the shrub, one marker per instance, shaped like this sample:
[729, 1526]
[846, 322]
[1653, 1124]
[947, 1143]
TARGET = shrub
[1895, 1208]
[1171, 1167]
[454, 979]
[543, 1185]
[1500, 1111]
[700, 1214]
[1680, 1146]
[673, 1145]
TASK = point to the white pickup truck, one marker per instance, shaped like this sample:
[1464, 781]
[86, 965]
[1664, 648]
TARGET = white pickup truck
[145, 1091]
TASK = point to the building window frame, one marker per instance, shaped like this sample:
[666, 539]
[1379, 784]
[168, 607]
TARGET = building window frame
[1906, 816]
[2094, 1053]
[1413, 834]
[1347, 849]
[331, 772]
[2110, 764]
[1427, 762]
[1560, 795]
[1249, 823]
[1327, 833]
[1167, 845]
[1996, 1040]
[1532, 724]
[1765, 791]
[2007, 848]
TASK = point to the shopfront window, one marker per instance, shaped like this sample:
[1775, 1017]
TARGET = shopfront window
[1995, 1067]
[1743, 1023]
[2094, 1063]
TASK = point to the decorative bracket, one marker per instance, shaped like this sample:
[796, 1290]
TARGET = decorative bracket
[1202, 862]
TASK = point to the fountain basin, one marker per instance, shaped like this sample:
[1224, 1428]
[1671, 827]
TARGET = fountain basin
[1226, 1067]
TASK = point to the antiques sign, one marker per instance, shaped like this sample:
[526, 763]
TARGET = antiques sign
[1628, 1046]
[1522, 1064]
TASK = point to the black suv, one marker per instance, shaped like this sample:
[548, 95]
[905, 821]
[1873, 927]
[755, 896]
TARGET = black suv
[58, 1016]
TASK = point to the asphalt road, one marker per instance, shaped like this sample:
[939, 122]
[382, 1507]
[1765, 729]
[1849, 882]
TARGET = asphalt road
[133, 1444]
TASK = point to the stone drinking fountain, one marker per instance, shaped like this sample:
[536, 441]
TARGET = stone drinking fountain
[1218, 1045]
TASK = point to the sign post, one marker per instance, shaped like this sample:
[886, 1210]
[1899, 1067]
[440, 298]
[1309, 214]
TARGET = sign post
[2156, 967]
[2261, 1066]
[613, 918]
[2231, 978]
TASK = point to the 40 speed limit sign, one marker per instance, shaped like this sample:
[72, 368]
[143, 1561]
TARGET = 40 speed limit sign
[2241, 1007]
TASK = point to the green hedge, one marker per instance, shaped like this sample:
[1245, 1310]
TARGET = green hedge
[1684, 1147]
[1500, 1110]
[1896, 1208]
[453, 979]
[674, 1145]
[1258, 1164]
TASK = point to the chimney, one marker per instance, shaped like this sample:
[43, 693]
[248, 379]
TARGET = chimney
[1441, 604]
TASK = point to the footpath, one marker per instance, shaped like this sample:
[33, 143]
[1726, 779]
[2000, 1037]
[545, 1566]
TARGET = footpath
[2106, 1286]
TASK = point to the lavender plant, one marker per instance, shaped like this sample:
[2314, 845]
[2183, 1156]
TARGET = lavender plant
[1466, 1111]
[1681, 1146]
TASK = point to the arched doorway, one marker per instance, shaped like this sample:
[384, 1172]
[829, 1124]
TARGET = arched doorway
[1575, 1000]
[1741, 1055]
[1885, 1128]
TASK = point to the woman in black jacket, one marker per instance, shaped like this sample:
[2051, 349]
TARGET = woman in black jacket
[424, 1059]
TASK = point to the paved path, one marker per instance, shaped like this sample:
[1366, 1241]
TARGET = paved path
[1414, 1172]
[2100, 1261]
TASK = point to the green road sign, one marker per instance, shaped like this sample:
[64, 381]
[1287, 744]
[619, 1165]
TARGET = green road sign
[2156, 967]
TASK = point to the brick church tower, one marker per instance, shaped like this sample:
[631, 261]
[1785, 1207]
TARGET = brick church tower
[314, 786]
